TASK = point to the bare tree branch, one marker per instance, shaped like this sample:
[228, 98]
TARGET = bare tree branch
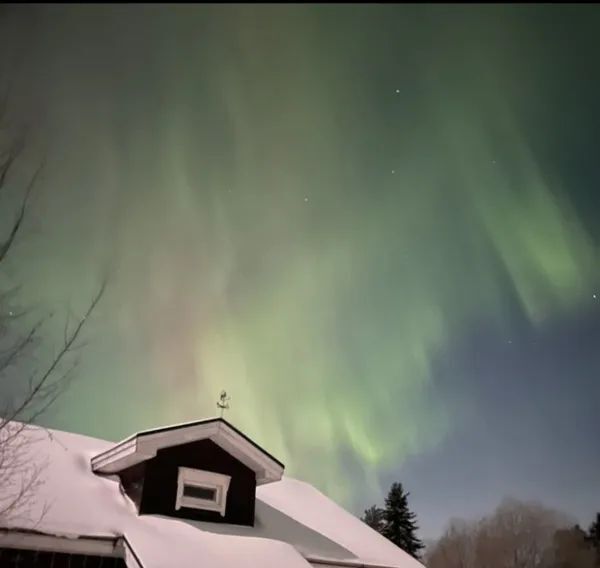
[16, 350]
[7, 161]
[39, 388]
[5, 247]
[516, 535]
[51, 369]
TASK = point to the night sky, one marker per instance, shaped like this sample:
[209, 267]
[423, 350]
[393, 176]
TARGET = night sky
[375, 226]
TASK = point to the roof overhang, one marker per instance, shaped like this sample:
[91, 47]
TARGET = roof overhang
[108, 546]
[32, 540]
[143, 446]
[319, 562]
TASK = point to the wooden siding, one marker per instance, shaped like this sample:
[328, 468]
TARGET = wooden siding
[160, 483]
[132, 481]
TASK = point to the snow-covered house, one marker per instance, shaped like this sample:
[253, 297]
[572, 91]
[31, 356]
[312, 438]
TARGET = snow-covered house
[194, 495]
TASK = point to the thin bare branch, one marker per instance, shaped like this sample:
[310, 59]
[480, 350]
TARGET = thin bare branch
[66, 328]
[21, 215]
[7, 162]
[49, 397]
[20, 477]
[16, 350]
[67, 346]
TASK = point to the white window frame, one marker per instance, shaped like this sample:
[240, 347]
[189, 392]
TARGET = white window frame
[206, 479]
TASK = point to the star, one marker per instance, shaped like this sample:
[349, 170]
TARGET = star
[393, 171]
[397, 91]
[594, 296]
[306, 199]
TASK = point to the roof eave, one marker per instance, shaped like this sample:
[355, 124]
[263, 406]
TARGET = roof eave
[144, 445]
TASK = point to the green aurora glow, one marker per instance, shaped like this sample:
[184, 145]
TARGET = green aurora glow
[283, 224]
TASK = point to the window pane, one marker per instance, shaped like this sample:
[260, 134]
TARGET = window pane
[206, 493]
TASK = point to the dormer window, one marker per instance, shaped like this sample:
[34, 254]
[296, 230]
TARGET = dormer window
[201, 471]
[199, 489]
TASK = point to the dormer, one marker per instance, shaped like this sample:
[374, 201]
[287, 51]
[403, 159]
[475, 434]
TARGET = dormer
[205, 471]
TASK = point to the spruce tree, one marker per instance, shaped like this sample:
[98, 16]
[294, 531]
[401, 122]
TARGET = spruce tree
[374, 518]
[594, 532]
[400, 522]
[594, 537]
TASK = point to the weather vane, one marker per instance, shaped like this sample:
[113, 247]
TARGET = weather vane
[223, 402]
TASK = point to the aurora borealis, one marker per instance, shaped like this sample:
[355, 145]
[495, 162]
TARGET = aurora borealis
[327, 211]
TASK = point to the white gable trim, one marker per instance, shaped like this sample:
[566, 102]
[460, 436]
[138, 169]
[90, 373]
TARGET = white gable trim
[125, 453]
[318, 562]
[143, 446]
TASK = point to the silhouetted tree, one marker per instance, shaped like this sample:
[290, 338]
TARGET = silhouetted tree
[455, 548]
[593, 537]
[373, 517]
[25, 393]
[516, 535]
[571, 549]
[400, 522]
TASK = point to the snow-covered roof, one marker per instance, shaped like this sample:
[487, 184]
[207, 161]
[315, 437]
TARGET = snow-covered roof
[296, 526]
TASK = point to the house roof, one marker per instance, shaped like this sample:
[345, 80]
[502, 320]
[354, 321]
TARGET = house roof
[144, 445]
[296, 525]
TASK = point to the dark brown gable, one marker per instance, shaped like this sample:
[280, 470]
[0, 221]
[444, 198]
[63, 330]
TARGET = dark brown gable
[132, 481]
[159, 490]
